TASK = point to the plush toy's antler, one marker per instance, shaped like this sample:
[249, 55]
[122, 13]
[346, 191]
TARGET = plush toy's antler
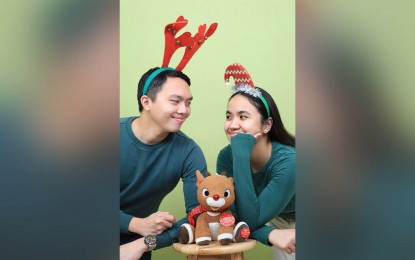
[192, 44]
[239, 73]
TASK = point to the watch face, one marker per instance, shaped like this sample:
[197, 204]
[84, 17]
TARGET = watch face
[150, 240]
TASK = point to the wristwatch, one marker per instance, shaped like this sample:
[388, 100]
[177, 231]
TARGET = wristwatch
[150, 241]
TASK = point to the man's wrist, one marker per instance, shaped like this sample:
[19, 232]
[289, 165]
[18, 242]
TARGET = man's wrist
[151, 242]
[134, 225]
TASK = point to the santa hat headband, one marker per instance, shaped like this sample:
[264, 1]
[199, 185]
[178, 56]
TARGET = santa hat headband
[173, 43]
[243, 83]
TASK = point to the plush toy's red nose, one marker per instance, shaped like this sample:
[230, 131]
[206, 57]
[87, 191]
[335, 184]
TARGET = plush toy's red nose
[216, 197]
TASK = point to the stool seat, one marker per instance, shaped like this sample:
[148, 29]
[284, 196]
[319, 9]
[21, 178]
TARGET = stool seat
[215, 250]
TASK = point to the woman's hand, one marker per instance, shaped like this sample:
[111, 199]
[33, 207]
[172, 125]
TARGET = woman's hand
[283, 239]
[257, 135]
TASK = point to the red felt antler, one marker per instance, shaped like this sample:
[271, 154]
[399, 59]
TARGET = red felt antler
[192, 44]
[239, 73]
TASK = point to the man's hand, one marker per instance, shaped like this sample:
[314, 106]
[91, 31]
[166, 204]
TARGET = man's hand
[133, 250]
[283, 239]
[154, 224]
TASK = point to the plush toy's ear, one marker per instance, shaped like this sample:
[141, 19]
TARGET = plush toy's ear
[231, 179]
[199, 177]
[223, 173]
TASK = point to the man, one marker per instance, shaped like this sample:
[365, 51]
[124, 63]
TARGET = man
[155, 155]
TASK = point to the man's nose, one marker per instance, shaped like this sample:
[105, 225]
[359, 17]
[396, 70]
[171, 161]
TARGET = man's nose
[182, 108]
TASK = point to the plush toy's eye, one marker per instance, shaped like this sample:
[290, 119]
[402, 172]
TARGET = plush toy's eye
[227, 193]
[205, 192]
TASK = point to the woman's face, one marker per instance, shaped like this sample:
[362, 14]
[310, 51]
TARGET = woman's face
[242, 117]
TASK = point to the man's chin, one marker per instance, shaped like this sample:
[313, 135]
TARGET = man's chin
[174, 129]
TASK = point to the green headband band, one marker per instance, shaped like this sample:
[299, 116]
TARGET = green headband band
[152, 76]
[252, 91]
[265, 104]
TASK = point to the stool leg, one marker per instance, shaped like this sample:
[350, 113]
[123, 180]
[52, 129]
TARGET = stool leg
[237, 256]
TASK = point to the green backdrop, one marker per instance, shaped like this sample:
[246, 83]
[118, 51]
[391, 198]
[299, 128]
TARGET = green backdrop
[260, 35]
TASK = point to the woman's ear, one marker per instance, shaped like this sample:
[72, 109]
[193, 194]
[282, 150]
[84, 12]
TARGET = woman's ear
[266, 127]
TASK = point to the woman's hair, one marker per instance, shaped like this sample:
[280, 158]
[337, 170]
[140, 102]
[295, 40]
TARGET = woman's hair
[277, 132]
[156, 85]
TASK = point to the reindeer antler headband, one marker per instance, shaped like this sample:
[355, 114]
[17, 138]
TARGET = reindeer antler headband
[243, 83]
[172, 43]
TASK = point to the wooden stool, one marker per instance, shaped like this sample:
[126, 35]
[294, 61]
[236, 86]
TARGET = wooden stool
[215, 251]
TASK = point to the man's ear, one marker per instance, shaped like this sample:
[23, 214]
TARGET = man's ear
[266, 127]
[145, 101]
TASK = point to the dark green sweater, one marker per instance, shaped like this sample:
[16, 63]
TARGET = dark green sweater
[263, 195]
[149, 172]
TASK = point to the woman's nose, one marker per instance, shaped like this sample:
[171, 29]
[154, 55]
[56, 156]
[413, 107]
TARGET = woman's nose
[234, 124]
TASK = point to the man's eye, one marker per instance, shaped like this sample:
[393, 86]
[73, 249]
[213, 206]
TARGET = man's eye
[174, 101]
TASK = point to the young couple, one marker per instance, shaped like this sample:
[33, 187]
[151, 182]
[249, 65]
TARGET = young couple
[155, 155]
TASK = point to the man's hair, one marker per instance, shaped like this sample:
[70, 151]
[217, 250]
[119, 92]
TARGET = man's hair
[157, 84]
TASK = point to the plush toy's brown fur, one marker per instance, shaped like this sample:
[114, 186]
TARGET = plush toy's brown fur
[215, 194]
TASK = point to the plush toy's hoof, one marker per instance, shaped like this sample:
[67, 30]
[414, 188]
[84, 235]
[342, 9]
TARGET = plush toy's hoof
[186, 234]
[225, 238]
[241, 232]
[225, 241]
[202, 241]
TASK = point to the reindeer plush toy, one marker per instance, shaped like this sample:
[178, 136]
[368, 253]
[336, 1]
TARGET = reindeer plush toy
[215, 194]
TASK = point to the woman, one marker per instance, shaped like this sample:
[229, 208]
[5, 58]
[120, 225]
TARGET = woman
[261, 159]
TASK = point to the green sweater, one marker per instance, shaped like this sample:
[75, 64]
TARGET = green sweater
[149, 172]
[263, 195]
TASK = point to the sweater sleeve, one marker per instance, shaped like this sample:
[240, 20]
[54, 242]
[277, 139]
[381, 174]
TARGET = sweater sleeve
[171, 235]
[125, 220]
[256, 210]
[261, 234]
[194, 161]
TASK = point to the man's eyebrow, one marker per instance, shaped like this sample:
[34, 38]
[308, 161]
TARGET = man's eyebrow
[180, 97]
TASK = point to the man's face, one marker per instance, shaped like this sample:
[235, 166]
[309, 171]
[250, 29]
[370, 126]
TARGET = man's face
[172, 105]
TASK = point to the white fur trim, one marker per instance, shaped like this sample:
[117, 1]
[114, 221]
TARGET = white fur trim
[203, 239]
[224, 236]
[213, 214]
[189, 231]
[214, 228]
